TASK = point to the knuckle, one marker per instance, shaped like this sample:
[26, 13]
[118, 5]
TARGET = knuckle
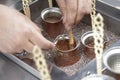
[26, 31]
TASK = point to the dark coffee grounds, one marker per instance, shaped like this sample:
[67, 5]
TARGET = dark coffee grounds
[53, 26]
[65, 55]
[64, 45]
[89, 51]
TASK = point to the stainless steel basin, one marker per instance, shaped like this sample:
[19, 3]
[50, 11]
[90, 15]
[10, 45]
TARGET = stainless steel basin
[112, 22]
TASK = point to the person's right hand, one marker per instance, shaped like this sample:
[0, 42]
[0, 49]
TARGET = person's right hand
[73, 11]
[18, 33]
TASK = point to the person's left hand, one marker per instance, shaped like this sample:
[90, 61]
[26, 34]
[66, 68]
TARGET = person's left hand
[18, 33]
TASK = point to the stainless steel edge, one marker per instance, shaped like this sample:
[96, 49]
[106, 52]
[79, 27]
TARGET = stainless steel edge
[23, 65]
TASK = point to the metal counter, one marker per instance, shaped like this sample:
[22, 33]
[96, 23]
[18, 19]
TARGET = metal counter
[12, 68]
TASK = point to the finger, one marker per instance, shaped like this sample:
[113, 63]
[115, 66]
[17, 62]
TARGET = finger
[62, 6]
[36, 27]
[39, 40]
[36, 37]
[89, 6]
[32, 24]
[28, 47]
[80, 11]
[71, 12]
[79, 17]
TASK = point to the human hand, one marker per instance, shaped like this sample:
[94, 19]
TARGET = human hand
[18, 33]
[73, 11]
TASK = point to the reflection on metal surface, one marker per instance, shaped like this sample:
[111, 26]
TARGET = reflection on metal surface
[65, 55]
[8, 2]
[98, 77]
[11, 70]
[88, 43]
[113, 3]
[52, 21]
[118, 7]
[112, 59]
[107, 72]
